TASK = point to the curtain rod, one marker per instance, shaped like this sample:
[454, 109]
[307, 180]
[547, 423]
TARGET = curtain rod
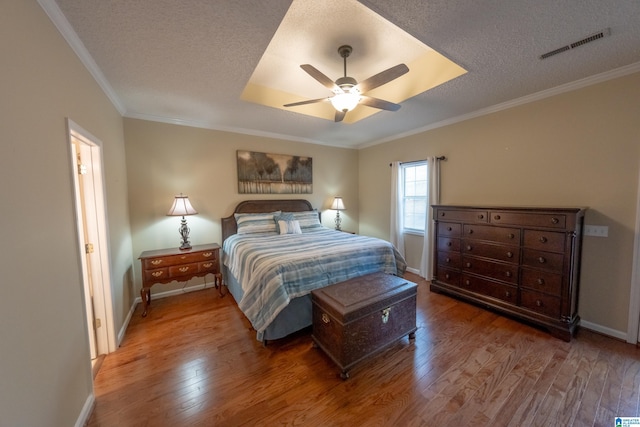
[423, 160]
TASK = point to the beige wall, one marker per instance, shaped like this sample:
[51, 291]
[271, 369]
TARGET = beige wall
[575, 149]
[165, 159]
[45, 365]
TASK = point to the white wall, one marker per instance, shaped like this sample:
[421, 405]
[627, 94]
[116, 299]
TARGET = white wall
[45, 370]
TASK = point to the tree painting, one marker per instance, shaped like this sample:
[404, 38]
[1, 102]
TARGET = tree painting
[263, 173]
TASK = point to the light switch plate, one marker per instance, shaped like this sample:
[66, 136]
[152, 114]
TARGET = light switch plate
[596, 230]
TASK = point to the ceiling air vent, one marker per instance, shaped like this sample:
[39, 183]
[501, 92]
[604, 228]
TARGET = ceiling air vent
[592, 37]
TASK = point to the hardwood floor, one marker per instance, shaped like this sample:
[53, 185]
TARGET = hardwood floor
[194, 361]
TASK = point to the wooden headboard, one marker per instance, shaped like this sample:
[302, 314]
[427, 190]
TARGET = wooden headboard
[229, 226]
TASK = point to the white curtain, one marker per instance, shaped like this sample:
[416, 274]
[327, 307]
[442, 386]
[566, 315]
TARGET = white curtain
[426, 265]
[397, 236]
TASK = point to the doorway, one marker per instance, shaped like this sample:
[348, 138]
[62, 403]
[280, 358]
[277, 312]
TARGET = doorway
[89, 192]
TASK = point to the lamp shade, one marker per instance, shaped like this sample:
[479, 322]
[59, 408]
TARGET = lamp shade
[337, 204]
[181, 207]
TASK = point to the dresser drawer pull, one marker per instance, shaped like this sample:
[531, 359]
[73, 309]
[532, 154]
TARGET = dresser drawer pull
[539, 303]
[470, 231]
[542, 260]
[157, 273]
[468, 265]
[449, 229]
[480, 216]
[496, 217]
[448, 260]
[555, 220]
[507, 294]
[508, 274]
[449, 243]
[469, 247]
[540, 281]
[207, 254]
[156, 261]
[467, 282]
[509, 254]
[325, 318]
[441, 213]
[447, 276]
[512, 236]
[183, 257]
[183, 269]
[207, 264]
[543, 239]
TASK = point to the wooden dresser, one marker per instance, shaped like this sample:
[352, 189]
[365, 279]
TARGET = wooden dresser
[168, 265]
[523, 262]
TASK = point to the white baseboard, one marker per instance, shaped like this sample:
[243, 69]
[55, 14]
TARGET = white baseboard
[413, 270]
[83, 419]
[603, 330]
[177, 292]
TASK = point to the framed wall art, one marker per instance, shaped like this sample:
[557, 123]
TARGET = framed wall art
[265, 173]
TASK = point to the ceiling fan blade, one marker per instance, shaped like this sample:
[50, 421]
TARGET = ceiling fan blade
[316, 74]
[310, 101]
[383, 77]
[340, 115]
[379, 103]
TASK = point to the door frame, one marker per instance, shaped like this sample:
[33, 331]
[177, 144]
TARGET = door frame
[103, 292]
[633, 323]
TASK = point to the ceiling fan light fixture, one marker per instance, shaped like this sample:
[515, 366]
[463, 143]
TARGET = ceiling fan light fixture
[346, 101]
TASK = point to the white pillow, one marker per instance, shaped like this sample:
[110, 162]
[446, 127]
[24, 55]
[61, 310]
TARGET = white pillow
[289, 227]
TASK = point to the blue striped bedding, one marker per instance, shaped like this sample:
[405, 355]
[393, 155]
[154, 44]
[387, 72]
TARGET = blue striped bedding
[274, 268]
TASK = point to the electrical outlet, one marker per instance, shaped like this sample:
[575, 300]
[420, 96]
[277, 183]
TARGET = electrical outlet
[596, 230]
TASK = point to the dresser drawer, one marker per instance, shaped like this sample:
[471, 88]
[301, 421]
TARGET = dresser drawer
[464, 215]
[490, 288]
[540, 303]
[543, 281]
[449, 259]
[184, 269]
[447, 244]
[489, 250]
[548, 220]
[492, 234]
[494, 270]
[169, 260]
[450, 277]
[543, 260]
[208, 266]
[544, 240]
[449, 229]
[158, 275]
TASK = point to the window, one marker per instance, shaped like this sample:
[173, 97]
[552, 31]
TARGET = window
[415, 196]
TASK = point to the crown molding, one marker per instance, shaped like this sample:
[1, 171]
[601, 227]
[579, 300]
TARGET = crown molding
[62, 24]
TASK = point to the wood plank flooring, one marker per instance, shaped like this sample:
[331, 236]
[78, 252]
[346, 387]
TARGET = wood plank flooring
[194, 361]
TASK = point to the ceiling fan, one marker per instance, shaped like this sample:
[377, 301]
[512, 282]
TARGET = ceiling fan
[347, 92]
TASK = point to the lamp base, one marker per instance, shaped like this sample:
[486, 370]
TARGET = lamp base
[338, 221]
[184, 232]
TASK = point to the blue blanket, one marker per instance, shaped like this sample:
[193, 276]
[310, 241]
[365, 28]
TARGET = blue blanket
[273, 268]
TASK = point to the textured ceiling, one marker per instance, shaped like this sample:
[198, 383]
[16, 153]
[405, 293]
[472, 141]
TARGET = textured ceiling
[189, 61]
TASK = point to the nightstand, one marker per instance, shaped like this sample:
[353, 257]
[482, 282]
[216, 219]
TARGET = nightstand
[168, 265]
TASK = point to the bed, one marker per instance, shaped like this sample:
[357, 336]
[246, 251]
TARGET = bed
[271, 275]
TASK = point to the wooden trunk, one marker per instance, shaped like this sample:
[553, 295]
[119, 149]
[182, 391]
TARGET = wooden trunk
[358, 318]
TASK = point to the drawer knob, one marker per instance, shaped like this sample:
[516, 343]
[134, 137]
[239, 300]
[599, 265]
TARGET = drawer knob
[441, 213]
[539, 303]
[543, 239]
[468, 265]
[469, 247]
[509, 254]
[471, 231]
[156, 261]
[542, 260]
[467, 282]
[496, 217]
[507, 294]
[449, 229]
[508, 274]
[325, 318]
[512, 236]
[448, 243]
[540, 281]
[480, 216]
[555, 220]
[448, 260]
[447, 276]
